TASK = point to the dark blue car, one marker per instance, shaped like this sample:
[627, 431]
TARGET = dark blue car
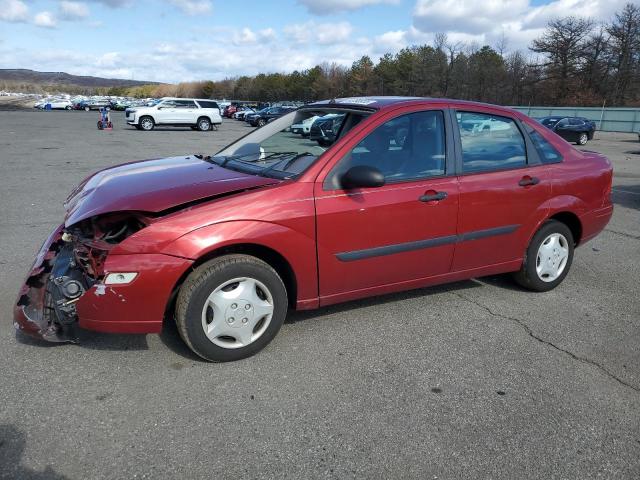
[572, 129]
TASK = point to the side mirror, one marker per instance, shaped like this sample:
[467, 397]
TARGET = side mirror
[362, 176]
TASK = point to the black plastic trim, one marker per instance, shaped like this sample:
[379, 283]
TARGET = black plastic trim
[421, 244]
[489, 232]
[397, 248]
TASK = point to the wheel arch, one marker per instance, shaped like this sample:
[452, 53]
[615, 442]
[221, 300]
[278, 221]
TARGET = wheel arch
[147, 115]
[268, 255]
[572, 221]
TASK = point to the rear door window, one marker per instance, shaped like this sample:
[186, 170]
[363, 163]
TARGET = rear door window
[490, 142]
[185, 104]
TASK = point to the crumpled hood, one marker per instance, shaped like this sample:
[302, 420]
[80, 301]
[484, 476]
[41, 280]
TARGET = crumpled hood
[154, 186]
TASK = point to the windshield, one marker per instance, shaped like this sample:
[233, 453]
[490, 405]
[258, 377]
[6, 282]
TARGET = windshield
[275, 151]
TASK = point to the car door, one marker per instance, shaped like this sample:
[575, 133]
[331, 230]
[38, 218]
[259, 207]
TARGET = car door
[186, 112]
[377, 239]
[504, 187]
[167, 112]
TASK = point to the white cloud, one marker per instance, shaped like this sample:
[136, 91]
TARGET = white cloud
[114, 3]
[73, 10]
[328, 7]
[472, 16]
[183, 61]
[13, 11]
[246, 36]
[321, 33]
[45, 19]
[193, 7]
[484, 22]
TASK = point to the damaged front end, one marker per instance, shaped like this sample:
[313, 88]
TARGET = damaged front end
[69, 263]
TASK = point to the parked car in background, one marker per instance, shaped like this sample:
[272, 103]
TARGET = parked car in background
[96, 104]
[241, 112]
[121, 105]
[263, 117]
[200, 114]
[249, 116]
[324, 129]
[54, 104]
[227, 244]
[303, 128]
[228, 110]
[572, 129]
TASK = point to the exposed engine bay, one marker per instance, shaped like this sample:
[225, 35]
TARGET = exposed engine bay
[71, 265]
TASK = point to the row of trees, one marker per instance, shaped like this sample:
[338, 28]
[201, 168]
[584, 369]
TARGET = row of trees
[574, 62]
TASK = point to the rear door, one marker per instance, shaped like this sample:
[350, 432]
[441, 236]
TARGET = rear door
[186, 112]
[503, 190]
[378, 239]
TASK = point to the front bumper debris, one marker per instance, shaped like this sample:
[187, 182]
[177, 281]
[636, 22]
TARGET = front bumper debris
[67, 290]
[45, 308]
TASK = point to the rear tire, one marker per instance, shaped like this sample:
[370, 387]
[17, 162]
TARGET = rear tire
[87, 109]
[68, 107]
[147, 124]
[261, 122]
[231, 307]
[582, 139]
[204, 124]
[548, 258]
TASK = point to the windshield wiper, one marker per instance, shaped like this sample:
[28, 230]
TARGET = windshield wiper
[289, 162]
[268, 155]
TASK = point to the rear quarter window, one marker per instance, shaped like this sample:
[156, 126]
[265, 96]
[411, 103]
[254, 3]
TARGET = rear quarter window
[547, 152]
[207, 104]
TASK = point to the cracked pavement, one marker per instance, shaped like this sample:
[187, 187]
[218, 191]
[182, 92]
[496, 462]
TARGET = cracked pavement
[477, 379]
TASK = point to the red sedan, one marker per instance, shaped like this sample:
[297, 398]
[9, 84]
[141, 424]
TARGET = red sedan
[412, 192]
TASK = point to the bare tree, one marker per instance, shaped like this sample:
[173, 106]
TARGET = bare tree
[625, 49]
[564, 44]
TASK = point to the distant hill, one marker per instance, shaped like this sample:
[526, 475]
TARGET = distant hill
[21, 75]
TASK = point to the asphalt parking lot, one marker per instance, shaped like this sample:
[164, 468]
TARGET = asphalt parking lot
[477, 379]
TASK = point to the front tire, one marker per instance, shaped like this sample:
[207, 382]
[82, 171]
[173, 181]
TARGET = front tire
[261, 122]
[147, 124]
[231, 308]
[582, 139]
[548, 258]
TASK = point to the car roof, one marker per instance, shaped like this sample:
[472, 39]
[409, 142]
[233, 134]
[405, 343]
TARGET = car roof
[198, 99]
[381, 102]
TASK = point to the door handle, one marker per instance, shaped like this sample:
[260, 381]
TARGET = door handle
[433, 197]
[527, 181]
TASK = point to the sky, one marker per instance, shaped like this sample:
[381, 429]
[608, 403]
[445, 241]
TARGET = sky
[185, 40]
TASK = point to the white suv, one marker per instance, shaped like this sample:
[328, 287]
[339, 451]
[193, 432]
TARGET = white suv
[196, 113]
